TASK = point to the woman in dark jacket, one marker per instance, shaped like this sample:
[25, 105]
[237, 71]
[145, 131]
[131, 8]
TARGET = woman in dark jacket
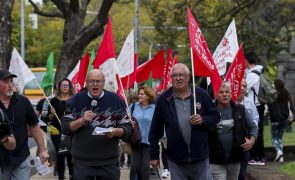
[279, 112]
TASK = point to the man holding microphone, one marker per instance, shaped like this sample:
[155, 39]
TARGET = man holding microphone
[187, 133]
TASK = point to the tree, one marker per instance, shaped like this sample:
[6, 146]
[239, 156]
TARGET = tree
[5, 32]
[76, 35]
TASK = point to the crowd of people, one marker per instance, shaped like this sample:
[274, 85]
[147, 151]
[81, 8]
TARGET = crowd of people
[199, 137]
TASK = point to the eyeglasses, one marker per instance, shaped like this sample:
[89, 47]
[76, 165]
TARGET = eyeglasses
[93, 82]
[175, 76]
[64, 85]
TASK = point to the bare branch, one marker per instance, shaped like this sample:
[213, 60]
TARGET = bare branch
[62, 5]
[95, 28]
[46, 14]
[83, 9]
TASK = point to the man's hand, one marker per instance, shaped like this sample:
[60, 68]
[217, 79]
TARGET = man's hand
[154, 163]
[88, 116]
[196, 119]
[248, 144]
[44, 156]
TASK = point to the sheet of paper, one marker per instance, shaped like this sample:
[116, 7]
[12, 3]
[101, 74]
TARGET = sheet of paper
[101, 131]
[42, 168]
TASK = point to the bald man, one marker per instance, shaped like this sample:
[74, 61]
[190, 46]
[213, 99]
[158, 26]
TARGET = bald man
[96, 156]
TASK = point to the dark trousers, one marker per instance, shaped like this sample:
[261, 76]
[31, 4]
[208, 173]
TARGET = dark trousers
[164, 156]
[257, 153]
[60, 158]
[243, 166]
[106, 172]
[140, 161]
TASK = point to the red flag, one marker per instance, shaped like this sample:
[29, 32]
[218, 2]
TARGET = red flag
[236, 73]
[154, 65]
[106, 49]
[81, 75]
[167, 69]
[106, 56]
[120, 90]
[203, 63]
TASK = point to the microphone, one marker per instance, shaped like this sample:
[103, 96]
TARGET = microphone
[93, 104]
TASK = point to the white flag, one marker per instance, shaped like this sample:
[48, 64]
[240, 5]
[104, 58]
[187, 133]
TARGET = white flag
[109, 74]
[74, 72]
[227, 48]
[125, 59]
[20, 68]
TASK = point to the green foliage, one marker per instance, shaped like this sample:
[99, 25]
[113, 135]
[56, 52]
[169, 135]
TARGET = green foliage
[288, 168]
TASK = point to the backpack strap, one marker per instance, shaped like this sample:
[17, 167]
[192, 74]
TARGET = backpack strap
[255, 94]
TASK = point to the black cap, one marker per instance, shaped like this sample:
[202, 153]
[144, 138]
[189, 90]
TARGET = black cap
[6, 74]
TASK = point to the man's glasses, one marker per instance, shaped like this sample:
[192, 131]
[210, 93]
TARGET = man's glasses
[93, 82]
[180, 76]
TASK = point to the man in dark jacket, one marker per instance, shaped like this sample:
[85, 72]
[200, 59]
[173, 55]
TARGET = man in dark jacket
[187, 133]
[235, 133]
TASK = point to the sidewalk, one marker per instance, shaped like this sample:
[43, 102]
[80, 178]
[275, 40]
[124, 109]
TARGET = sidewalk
[268, 172]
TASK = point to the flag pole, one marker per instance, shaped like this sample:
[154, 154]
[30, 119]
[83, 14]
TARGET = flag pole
[47, 100]
[194, 84]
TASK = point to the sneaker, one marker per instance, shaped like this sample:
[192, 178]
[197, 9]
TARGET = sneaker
[165, 173]
[261, 162]
[279, 155]
[252, 162]
[281, 159]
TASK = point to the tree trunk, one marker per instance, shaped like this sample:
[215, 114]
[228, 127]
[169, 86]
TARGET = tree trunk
[5, 32]
[76, 37]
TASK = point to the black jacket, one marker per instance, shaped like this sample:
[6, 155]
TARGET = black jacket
[240, 131]
[165, 116]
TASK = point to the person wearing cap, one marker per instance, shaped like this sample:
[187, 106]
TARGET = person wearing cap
[15, 163]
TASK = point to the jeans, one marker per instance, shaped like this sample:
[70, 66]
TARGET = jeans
[229, 171]
[277, 132]
[19, 172]
[195, 171]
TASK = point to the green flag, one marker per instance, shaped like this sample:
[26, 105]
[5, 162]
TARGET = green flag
[47, 81]
[91, 61]
[150, 81]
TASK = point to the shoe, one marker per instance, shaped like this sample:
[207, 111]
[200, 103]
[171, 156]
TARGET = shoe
[252, 162]
[281, 159]
[261, 162]
[165, 173]
[279, 155]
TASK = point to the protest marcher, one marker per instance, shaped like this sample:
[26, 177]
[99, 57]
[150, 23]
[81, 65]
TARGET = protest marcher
[253, 83]
[64, 92]
[235, 133]
[96, 156]
[254, 116]
[279, 113]
[186, 132]
[15, 164]
[143, 111]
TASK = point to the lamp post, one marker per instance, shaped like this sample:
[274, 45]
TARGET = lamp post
[22, 30]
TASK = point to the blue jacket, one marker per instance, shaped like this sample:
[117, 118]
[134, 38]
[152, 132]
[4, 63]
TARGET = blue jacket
[165, 116]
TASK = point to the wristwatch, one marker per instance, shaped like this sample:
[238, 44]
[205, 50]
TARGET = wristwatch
[4, 140]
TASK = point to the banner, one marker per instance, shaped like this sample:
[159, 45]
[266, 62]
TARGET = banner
[125, 60]
[236, 73]
[105, 57]
[48, 79]
[81, 75]
[20, 68]
[227, 48]
[203, 63]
